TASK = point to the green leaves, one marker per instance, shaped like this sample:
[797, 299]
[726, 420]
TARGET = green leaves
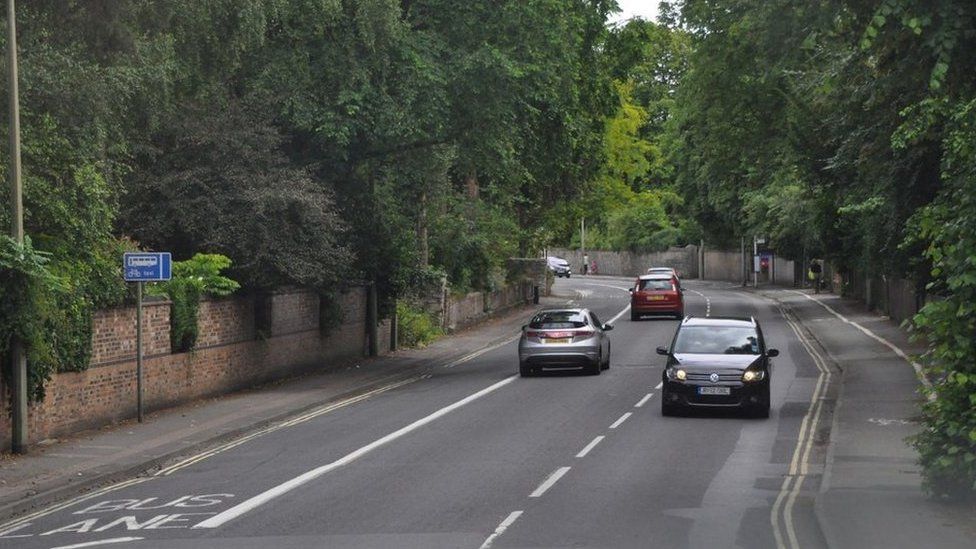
[192, 279]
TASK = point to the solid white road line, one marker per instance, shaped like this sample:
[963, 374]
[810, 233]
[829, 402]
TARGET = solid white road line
[894, 348]
[322, 410]
[268, 495]
[590, 446]
[94, 543]
[618, 315]
[548, 483]
[644, 400]
[606, 286]
[620, 421]
[501, 528]
[659, 385]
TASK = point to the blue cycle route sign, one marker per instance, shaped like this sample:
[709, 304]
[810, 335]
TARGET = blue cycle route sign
[147, 266]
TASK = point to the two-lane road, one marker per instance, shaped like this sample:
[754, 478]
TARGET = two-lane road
[474, 456]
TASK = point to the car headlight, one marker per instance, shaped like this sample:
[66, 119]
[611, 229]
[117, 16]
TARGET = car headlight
[753, 375]
[675, 373]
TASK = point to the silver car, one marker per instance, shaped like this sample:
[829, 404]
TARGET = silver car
[564, 340]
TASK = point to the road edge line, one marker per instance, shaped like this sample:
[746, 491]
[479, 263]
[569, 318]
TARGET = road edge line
[919, 370]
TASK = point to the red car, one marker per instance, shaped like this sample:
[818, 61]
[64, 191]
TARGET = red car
[656, 294]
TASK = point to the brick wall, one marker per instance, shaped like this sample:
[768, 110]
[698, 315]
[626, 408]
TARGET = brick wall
[294, 312]
[228, 357]
[114, 332]
[223, 321]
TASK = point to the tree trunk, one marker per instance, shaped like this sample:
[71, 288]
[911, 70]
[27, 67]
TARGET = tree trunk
[471, 184]
[422, 231]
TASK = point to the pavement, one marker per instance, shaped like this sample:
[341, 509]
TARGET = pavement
[872, 484]
[57, 469]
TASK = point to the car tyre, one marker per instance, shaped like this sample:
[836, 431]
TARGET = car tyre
[667, 410]
[634, 317]
[762, 409]
[524, 370]
[606, 363]
[597, 366]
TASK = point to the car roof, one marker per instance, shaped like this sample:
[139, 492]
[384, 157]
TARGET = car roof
[660, 269]
[655, 276]
[563, 310]
[745, 322]
[552, 257]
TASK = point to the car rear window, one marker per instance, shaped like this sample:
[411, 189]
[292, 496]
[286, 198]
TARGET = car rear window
[558, 320]
[654, 285]
[717, 340]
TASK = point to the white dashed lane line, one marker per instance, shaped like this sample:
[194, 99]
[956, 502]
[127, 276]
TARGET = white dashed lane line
[620, 421]
[549, 482]
[708, 301]
[505, 524]
[644, 400]
[659, 385]
[590, 446]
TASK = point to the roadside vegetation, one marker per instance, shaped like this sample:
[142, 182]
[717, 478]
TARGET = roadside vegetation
[415, 326]
[847, 130]
[316, 141]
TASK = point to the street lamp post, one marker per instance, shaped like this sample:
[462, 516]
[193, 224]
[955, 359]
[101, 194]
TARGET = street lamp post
[18, 440]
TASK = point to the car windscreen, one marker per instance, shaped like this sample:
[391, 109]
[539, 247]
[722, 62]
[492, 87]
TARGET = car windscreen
[717, 340]
[654, 285]
[558, 320]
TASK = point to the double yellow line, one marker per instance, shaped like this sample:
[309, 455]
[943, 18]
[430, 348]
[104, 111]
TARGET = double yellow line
[282, 425]
[209, 453]
[783, 528]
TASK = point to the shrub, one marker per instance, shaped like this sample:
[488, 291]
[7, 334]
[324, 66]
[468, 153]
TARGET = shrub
[193, 278]
[415, 327]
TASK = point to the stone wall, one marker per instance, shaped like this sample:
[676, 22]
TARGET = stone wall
[684, 260]
[229, 356]
[465, 310]
[722, 265]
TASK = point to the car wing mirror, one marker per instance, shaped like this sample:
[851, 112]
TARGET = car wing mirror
[607, 327]
[524, 326]
[631, 290]
[662, 351]
[772, 352]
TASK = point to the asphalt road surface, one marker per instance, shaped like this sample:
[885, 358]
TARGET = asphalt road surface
[474, 456]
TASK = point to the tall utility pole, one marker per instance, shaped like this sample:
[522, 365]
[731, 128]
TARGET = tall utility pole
[755, 267]
[583, 239]
[742, 254]
[18, 439]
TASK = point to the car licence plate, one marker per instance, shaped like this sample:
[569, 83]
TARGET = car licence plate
[556, 340]
[714, 391]
[655, 298]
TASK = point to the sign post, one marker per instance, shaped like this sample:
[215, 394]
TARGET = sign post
[141, 267]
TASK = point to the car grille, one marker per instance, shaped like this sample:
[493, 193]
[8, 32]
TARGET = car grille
[721, 377]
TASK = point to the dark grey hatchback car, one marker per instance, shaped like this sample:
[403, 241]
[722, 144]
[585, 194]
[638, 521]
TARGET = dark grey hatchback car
[717, 362]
